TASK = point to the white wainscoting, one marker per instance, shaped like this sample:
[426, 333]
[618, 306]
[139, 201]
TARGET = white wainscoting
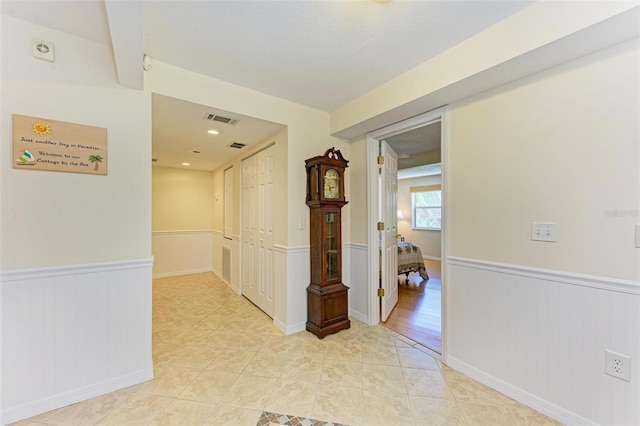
[292, 265]
[298, 278]
[539, 336]
[357, 281]
[70, 333]
[181, 252]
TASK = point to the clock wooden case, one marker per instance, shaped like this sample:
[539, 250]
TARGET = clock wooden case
[327, 298]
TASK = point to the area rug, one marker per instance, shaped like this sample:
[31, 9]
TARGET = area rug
[268, 418]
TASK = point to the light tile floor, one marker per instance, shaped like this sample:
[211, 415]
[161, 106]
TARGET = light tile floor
[218, 360]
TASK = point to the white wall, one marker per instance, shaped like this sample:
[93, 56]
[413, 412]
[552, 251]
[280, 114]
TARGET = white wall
[532, 318]
[182, 212]
[68, 240]
[90, 215]
[182, 199]
[560, 146]
[427, 240]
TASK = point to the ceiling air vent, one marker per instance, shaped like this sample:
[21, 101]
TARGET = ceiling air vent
[237, 145]
[220, 119]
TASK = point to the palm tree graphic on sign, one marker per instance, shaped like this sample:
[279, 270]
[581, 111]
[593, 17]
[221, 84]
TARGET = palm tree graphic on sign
[97, 159]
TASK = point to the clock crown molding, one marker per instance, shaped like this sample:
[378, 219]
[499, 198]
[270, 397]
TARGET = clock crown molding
[330, 156]
[325, 179]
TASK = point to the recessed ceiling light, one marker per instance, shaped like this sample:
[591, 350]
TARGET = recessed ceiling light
[213, 132]
[186, 164]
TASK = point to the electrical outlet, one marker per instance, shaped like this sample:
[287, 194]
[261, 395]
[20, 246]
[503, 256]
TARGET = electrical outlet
[617, 365]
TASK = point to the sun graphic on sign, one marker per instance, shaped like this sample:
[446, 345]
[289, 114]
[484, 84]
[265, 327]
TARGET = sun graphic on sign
[41, 128]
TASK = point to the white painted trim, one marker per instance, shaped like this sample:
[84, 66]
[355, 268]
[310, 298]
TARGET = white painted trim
[71, 397]
[357, 246]
[437, 259]
[289, 330]
[188, 231]
[280, 325]
[373, 316]
[221, 234]
[591, 281]
[218, 274]
[445, 230]
[555, 412]
[86, 268]
[294, 249]
[179, 273]
[372, 211]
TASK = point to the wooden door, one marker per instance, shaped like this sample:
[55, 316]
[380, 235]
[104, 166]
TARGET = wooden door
[257, 228]
[389, 240]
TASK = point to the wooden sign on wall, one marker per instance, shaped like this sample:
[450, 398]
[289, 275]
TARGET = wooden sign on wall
[41, 144]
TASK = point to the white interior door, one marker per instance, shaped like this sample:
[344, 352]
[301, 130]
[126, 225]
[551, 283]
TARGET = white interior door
[248, 238]
[257, 229]
[389, 239]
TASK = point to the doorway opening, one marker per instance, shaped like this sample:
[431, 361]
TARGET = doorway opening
[408, 220]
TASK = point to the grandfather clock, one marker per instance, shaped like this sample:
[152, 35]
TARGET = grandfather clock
[327, 299]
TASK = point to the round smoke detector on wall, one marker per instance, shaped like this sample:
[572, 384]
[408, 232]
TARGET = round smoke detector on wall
[43, 50]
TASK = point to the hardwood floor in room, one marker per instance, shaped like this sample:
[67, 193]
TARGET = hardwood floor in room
[417, 314]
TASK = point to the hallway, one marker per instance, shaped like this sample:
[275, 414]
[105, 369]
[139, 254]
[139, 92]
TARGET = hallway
[220, 361]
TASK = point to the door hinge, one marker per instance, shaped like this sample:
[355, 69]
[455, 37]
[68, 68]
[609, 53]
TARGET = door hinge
[380, 226]
[380, 159]
[381, 292]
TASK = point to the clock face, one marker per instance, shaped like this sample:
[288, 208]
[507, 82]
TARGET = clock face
[331, 186]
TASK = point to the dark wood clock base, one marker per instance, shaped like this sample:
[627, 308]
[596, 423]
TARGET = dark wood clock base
[327, 309]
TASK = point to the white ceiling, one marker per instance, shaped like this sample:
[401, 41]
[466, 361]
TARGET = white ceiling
[178, 129]
[318, 53]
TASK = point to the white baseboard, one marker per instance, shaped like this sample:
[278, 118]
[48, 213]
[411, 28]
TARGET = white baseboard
[233, 288]
[545, 407]
[71, 397]
[178, 273]
[289, 330]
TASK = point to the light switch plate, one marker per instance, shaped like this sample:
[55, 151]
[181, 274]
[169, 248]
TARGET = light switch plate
[637, 236]
[544, 231]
